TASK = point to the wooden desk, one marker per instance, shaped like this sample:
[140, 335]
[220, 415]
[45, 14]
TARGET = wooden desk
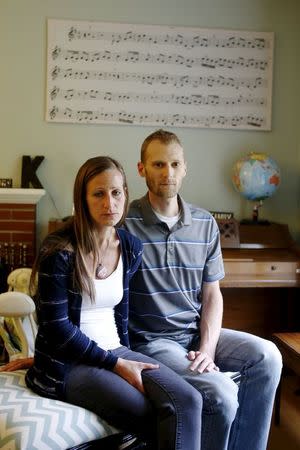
[262, 278]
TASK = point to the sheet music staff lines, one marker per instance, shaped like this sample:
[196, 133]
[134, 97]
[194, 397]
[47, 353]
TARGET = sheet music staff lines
[160, 78]
[194, 99]
[166, 39]
[134, 56]
[100, 72]
[86, 116]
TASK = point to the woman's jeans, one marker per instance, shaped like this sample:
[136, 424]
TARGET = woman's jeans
[170, 413]
[233, 418]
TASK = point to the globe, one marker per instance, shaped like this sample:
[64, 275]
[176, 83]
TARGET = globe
[256, 176]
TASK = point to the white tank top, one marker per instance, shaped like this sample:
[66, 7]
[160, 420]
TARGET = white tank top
[97, 319]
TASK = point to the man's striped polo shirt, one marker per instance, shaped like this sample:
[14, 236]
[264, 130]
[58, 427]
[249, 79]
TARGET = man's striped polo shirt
[165, 292]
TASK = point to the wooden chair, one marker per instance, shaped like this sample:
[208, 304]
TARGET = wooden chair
[289, 346]
[16, 307]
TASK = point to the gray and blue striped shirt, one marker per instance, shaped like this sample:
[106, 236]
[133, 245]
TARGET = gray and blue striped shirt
[165, 292]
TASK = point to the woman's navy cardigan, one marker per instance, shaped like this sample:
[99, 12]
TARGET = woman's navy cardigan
[60, 343]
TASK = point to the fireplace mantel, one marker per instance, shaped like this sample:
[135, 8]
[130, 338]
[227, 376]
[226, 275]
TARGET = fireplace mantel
[21, 195]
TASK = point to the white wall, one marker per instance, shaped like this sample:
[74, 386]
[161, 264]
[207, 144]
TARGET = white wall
[210, 153]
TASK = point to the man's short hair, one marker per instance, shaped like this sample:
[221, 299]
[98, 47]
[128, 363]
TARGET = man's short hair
[165, 137]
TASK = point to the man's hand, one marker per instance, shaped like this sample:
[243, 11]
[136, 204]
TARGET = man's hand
[202, 362]
[131, 371]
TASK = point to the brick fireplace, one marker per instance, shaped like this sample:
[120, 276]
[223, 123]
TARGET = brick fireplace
[18, 222]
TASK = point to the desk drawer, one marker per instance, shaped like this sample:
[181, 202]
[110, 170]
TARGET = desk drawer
[261, 274]
[262, 267]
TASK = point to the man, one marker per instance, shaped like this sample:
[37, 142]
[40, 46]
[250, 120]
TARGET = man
[176, 306]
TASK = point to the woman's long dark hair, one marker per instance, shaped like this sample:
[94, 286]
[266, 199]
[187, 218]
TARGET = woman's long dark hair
[79, 234]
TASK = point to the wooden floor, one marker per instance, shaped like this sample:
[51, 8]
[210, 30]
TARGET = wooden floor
[286, 436]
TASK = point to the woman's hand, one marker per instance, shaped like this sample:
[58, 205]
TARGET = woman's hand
[131, 371]
[17, 364]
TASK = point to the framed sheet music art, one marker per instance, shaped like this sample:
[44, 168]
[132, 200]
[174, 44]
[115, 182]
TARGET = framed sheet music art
[115, 73]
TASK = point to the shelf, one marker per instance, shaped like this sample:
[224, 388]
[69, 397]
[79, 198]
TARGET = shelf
[19, 195]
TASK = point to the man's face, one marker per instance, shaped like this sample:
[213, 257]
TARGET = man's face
[164, 168]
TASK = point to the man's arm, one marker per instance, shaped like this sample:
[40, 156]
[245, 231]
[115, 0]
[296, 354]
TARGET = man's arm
[210, 326]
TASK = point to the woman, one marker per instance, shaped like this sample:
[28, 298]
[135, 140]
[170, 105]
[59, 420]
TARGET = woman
[81, 351]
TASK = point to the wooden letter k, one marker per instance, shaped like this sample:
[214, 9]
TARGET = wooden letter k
[29, 167]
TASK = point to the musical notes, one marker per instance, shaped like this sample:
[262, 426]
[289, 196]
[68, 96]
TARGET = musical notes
[164, 78]
[216, 121]
[101, 72]
[167, 39]
[123, 97]
[157, 58]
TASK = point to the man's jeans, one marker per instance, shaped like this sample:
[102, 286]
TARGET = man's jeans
[233, 418]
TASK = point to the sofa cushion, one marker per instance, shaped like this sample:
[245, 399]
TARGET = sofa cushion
[31, 422]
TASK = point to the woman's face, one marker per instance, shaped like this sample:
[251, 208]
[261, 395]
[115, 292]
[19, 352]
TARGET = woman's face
[105, 197]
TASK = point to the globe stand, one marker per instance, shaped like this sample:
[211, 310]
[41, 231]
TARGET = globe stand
[255, 220]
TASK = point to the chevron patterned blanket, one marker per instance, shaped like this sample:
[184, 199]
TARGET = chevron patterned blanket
[30, 422]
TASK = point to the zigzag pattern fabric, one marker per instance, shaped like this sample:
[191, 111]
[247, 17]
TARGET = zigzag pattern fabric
[30, 422]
